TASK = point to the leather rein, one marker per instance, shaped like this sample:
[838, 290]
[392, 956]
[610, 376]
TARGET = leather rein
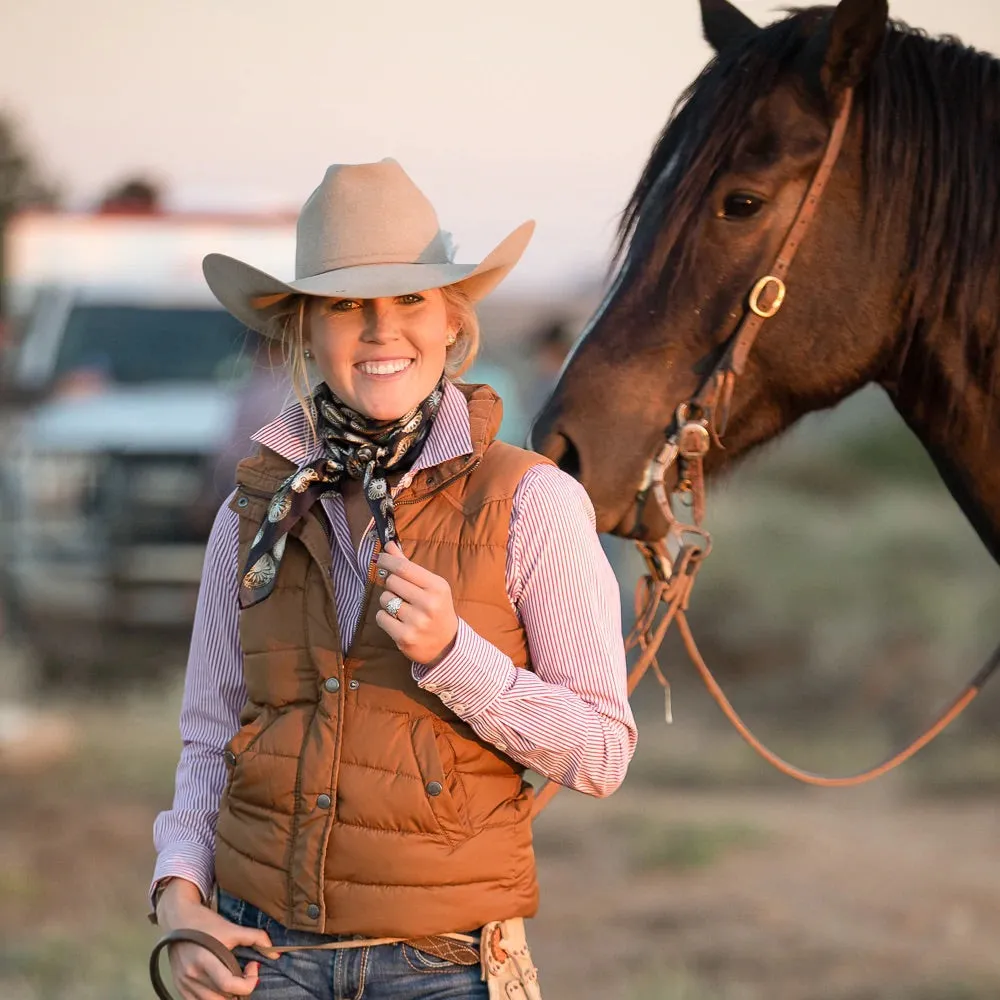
[698, 425]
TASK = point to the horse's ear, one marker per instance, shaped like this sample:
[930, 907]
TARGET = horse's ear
[723, 24]
[855, 37]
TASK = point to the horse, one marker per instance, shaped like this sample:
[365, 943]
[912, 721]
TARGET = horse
[896, 281]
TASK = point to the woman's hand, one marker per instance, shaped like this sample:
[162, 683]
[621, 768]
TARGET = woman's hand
[198, 974]
[425, 626]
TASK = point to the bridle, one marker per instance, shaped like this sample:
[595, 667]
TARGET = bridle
[673, 561]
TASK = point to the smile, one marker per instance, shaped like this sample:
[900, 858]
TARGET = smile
[392, 367]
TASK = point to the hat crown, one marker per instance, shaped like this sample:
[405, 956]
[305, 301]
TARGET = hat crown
[367, 213]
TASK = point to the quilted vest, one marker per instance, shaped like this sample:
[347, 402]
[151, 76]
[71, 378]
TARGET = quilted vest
[356, 802]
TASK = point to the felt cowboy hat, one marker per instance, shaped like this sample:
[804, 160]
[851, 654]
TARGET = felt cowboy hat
[366, 232]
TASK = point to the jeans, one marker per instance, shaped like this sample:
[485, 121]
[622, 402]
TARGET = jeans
[381, 972]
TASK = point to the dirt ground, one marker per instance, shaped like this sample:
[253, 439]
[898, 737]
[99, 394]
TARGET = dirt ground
[805, 895]
[741, 891]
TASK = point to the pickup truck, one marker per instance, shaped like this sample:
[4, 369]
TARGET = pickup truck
[110, 477]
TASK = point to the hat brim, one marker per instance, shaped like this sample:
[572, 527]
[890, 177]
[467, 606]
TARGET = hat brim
[253, 296]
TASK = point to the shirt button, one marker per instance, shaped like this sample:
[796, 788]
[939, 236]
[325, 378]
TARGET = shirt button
[331, 684]
[458, 707]
[500, 745]
[312, 911]
[431, 687]
[229, 757]
[434, 788]
[324, 801]
[354, 684]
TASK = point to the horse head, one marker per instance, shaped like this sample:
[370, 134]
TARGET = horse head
[891, 284]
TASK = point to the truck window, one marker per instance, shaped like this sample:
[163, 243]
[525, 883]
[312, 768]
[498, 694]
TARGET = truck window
[135, 344]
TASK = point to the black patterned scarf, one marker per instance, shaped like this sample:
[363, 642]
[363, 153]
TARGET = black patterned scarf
[353, 445]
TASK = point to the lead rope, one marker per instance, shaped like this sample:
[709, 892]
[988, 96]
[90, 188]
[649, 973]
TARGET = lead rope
[672, 588]
[652, 590]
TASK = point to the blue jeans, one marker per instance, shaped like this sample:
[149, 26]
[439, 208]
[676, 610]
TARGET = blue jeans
[382, 972]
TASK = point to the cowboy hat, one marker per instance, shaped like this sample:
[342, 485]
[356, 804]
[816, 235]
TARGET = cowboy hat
[366, 232]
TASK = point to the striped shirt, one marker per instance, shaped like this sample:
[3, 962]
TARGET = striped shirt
[568, 719]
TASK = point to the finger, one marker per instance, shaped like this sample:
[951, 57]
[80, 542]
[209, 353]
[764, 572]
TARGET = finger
[240, 986]
[250, 938]
[408, 570]
[396, 630]
[219, 981]
[404, 609]
[410, 592]
[395, 549]
[191, 970]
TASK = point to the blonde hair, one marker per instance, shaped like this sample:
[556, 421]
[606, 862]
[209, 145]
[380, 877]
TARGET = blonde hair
[462, 312]
[287, 324]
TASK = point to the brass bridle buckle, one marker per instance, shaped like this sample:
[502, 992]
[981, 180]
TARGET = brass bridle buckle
[758, 290]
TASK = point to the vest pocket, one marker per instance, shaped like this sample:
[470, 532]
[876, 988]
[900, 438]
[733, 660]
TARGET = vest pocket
[436, 762]
[247, 736]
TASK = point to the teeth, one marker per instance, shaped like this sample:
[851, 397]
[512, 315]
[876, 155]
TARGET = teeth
[384, 367]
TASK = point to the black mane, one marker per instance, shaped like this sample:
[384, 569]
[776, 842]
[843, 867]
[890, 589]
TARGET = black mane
[931, 157]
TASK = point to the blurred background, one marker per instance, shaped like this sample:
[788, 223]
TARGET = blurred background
[845, 601]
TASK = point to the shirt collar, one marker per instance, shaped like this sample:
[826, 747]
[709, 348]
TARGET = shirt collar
[450, 436]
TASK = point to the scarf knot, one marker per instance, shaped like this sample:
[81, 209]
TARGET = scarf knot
[354, 445]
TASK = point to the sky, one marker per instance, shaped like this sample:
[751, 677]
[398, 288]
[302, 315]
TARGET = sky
[500, 112]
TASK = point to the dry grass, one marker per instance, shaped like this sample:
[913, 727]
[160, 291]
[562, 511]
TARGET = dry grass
[842, 606]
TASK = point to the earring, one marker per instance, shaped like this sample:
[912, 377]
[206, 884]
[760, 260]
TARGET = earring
[451, 340]
[307, 354]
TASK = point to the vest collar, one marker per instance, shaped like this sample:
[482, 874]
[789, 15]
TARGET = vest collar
[485, 411]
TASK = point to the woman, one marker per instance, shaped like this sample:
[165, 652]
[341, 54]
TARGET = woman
[398, 615]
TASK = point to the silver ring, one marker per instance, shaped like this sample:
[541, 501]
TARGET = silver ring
[393, 605]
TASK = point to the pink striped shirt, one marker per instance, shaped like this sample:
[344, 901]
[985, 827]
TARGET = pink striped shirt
[569, 719]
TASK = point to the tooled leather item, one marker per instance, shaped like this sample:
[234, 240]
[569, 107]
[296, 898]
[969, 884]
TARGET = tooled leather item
[447, 949]
[508, 969]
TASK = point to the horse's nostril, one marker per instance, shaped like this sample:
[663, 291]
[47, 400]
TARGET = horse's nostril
[557, 446]
[569, 458]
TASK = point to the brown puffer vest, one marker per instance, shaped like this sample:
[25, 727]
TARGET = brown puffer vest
[357, 803]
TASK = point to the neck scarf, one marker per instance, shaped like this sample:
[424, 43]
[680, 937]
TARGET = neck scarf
[353, 445]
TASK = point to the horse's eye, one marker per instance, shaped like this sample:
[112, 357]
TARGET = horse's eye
[741, 205]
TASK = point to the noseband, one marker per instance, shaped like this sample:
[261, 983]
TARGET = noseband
[701, 421]
[673, 561]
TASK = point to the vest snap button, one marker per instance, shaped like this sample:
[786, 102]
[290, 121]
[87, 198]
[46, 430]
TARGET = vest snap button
[323, 801]
[354, 685]
[243, 502]
[332, 684]
[434, 788]
[312, 911]
[229, 757]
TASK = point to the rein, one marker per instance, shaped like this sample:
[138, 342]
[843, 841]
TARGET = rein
[698, 424]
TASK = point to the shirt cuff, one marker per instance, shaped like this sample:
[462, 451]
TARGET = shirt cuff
[189, 861]
[470, 677]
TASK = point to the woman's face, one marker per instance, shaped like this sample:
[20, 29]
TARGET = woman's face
[382, 357]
